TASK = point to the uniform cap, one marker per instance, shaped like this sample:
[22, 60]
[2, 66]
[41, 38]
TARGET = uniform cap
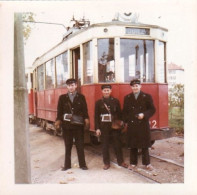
[135, 81]
[106, 86]
[70, 81]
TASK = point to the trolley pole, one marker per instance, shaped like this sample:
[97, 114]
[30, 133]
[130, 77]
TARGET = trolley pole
[21, 133]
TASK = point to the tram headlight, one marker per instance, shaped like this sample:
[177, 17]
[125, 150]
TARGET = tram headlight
[105, 30]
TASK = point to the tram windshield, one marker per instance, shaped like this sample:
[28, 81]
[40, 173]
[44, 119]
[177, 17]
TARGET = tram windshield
[106, 63]
[88, 62]
[161, 62]
[137, 60]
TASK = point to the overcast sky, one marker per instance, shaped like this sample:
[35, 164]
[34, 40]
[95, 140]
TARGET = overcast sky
[178, 16]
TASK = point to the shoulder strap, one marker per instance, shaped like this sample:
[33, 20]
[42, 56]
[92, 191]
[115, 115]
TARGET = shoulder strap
[107, 108]
[70, 107]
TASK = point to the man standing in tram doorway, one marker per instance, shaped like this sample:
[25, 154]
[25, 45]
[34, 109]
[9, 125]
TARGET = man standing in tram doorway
[137, 109]
[70, 105]
[106, 108]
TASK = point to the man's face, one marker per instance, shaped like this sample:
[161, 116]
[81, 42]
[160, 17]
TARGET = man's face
[106, 92]
[136, 88]
[72, 87]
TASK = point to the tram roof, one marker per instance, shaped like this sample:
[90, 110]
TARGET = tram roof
[120, 23]
[116, 23]
[105, 24]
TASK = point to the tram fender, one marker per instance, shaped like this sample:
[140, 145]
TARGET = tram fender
[158, 134]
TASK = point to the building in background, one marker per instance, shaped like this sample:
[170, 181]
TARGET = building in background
[175, 75]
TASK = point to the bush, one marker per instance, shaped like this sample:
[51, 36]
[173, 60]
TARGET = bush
[176, 119]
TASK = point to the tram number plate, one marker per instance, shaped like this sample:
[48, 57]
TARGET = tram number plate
[138, 31]
[153, 124]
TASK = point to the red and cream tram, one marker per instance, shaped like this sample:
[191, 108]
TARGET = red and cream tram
[113, 52]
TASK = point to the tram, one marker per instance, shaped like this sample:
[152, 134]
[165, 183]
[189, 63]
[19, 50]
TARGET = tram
[113, 52]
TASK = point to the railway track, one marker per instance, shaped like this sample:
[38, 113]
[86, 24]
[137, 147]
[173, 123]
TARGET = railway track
[165, 170]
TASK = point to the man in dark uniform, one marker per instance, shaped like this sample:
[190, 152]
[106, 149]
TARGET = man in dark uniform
[72, 102]
[137, 109]
[105, 109]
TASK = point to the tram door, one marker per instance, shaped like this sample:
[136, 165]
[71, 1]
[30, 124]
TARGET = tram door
[76, 66]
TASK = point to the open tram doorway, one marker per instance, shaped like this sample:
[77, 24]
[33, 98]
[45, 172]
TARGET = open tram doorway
[76, 66]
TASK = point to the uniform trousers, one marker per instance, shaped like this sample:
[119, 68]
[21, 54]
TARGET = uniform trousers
[108, 136]
[134, 156]
[78, 134]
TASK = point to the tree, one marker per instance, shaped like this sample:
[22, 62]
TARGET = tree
[28, 18]
[176, 96]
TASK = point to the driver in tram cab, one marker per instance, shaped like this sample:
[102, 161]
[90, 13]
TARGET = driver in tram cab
[105, 109]
[70, 104]
[137, 109]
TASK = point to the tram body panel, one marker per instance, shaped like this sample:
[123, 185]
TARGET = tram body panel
[31, 102]
[41, 105]
[158, 92]
[163, 105]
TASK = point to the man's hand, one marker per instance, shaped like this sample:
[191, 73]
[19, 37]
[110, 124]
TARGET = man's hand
[124, 130]
[98, 132]
[87, 124]
[140, 116]
[57, 124]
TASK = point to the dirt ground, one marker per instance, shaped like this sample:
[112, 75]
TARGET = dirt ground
[47, 158]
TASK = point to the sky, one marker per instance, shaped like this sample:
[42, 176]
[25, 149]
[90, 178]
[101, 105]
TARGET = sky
[177, 16]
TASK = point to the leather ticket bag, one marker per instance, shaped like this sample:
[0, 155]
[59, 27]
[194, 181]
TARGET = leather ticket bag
[76, 119]
[116, 123]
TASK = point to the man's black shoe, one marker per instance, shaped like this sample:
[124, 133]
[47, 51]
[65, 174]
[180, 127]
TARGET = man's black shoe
[84, 168]
[65, 168]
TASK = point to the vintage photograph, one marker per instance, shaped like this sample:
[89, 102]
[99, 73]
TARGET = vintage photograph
[99, 95]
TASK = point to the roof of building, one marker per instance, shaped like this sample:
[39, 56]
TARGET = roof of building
[173, 66]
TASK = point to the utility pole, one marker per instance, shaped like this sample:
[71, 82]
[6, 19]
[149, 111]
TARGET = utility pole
[21, 132]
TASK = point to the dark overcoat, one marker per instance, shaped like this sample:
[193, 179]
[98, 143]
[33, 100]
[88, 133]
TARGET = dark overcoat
[78, 106]
[138, 130]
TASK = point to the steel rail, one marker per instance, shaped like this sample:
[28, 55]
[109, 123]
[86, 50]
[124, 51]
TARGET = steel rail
[93, 150]
[167, 160]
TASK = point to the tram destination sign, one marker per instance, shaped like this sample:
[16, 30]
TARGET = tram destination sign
[137, 31]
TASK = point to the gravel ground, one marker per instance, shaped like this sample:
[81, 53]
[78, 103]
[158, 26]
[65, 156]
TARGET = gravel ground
[47, 157]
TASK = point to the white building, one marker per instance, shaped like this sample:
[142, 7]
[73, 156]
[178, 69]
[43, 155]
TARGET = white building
[175, 74]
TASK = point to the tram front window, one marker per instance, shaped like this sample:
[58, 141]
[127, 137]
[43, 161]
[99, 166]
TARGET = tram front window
[88, 63]
[106, 63]
[161, 62]
[137, 60]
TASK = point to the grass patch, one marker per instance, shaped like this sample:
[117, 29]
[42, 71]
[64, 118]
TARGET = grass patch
[176, 119]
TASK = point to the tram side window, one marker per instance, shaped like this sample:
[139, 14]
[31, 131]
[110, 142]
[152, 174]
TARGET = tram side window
[40, 78]
[50, 74]
[106, 63]
[88, 68]
[161, 63]
[137, 60]
[62, 69]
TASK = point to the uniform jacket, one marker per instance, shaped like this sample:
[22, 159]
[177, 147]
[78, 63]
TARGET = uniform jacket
[79, 106]
[138, 130]
[114, 106]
